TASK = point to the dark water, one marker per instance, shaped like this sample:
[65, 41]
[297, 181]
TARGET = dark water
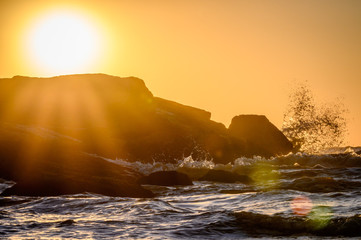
[295, 196]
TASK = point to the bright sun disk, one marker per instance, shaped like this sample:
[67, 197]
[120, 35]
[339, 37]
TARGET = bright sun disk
[63, 42]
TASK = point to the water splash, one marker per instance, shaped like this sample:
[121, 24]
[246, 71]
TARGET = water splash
[337, 158]
[312, 127]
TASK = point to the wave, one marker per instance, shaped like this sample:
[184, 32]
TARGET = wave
[339, 173]
[321, 185]
[4, 184]
[313, 173]
[333, 160]
[349, 158]
[318, 223]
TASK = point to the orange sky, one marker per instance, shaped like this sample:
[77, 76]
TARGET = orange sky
[228, 57]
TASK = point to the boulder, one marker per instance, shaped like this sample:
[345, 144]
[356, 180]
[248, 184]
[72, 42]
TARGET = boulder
[44, 164]
[260, 136]
[225, 177]
[115, 117]
[166, 178]
[190, 131]
[56, 132]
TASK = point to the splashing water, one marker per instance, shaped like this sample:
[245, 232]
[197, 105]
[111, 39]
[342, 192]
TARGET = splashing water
[317, 196]
[312, 127]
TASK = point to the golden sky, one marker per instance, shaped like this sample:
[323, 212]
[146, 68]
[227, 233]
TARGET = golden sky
[229, 57]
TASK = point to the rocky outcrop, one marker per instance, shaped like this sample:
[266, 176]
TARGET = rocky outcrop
[180, 111]
[45, 164]
[74, 101]
[166, 178]
[225, 177]
[260, 136]
[49, 126]
[115, 117]
[189, 131]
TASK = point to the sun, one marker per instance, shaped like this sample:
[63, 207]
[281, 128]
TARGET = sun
[63, 42]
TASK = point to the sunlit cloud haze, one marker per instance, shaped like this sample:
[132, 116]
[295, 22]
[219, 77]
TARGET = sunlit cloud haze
[228, 57]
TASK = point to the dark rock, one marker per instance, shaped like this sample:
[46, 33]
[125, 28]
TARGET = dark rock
[115, 117]
[225, 177]
[188, 131]
[260, 135]
[166, 178]
[47, 124]
[45, 166]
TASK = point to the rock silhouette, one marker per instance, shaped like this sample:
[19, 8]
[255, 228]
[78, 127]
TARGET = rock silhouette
[57, 131]
[261, 137]
[55, 165]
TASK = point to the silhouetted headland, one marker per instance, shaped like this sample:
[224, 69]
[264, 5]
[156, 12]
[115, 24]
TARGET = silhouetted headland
[56, 132]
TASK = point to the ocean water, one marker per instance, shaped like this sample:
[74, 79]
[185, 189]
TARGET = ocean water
[297, 196]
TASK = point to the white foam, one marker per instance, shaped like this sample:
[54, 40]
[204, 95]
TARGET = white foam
[290, 160]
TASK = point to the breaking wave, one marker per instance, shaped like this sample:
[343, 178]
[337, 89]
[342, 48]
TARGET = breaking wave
[295, 195]
[331, 158]
[278, 225]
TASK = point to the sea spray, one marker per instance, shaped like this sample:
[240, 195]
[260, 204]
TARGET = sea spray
[312, 127]
[207, 209]
[336, 158]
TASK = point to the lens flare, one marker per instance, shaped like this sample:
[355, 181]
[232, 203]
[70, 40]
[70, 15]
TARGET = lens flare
[265, 176]
[301, 205]
[320, 216]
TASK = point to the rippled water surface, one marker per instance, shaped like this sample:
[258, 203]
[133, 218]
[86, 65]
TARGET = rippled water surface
[284, 202]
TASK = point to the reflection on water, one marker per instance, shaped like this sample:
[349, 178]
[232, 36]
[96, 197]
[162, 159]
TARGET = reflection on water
[178, 212]
[285, 200]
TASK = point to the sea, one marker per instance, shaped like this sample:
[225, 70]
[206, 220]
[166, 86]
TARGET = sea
[296, 196]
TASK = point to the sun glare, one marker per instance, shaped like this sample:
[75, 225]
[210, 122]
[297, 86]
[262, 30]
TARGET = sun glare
[63, 42]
